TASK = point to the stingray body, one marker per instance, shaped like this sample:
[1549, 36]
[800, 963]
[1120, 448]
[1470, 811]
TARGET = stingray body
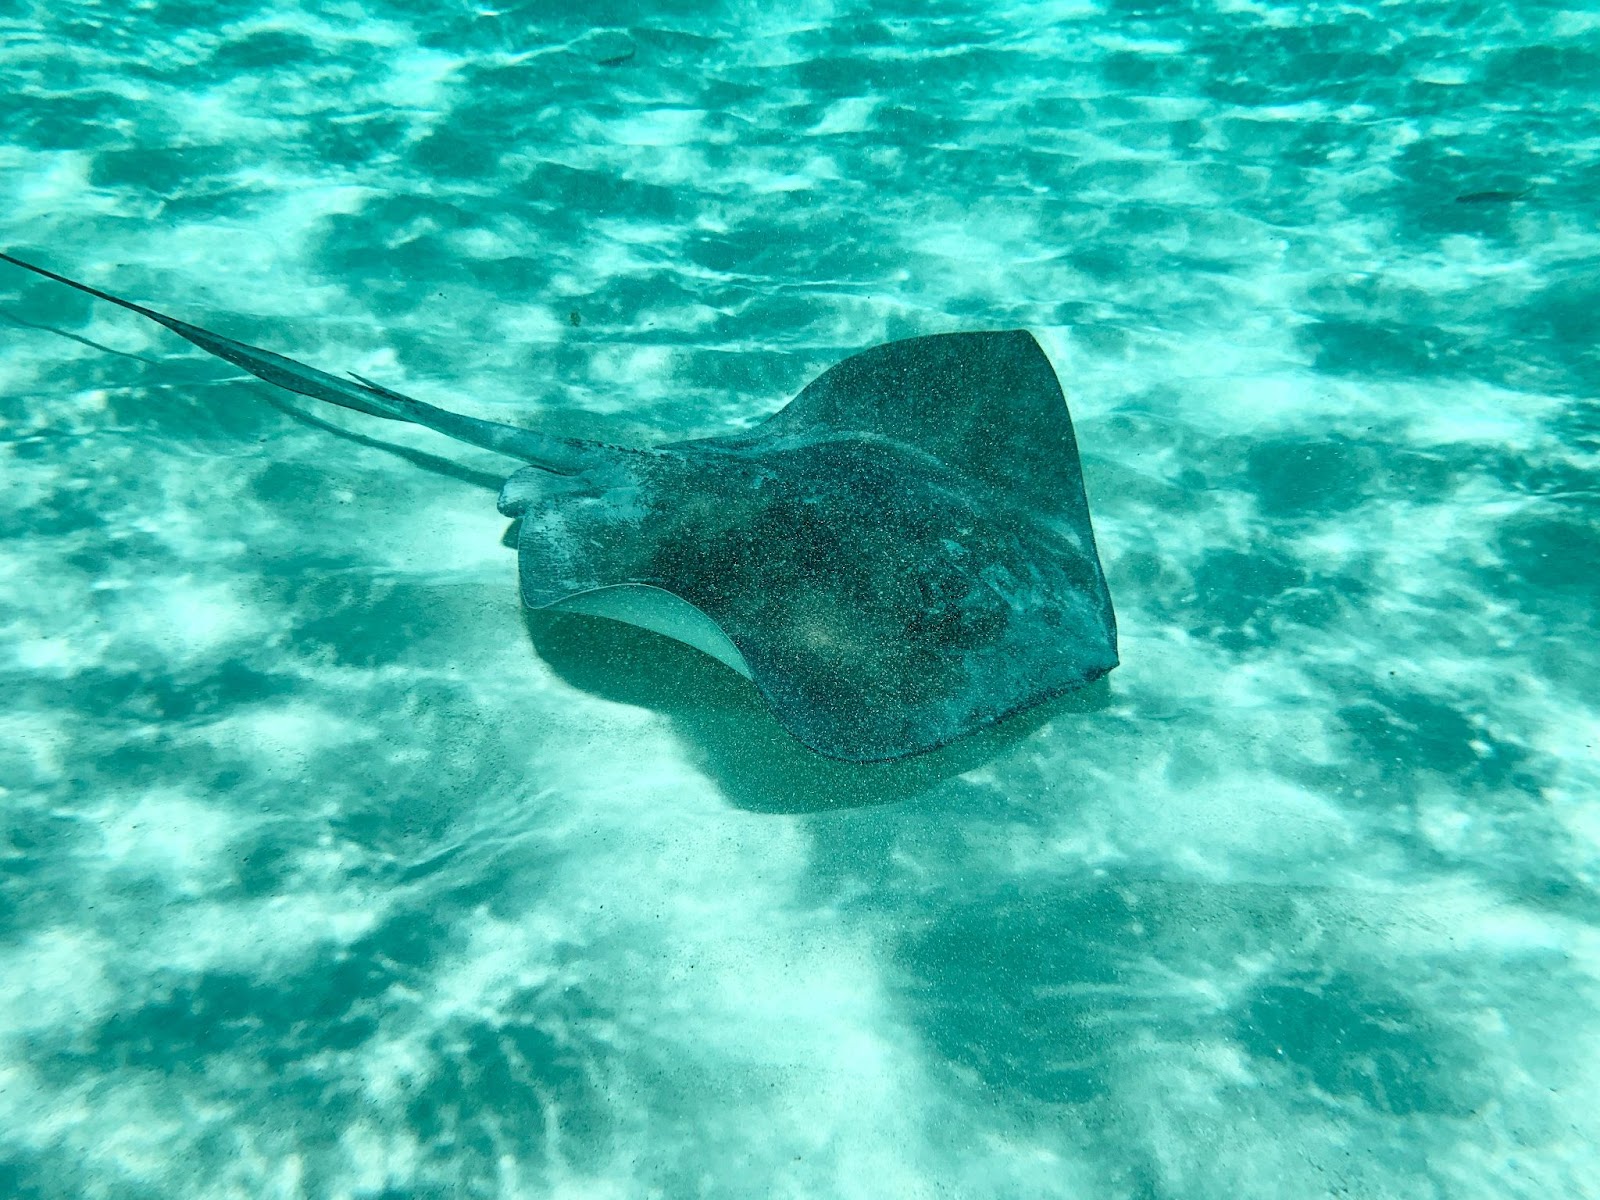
[900, 556]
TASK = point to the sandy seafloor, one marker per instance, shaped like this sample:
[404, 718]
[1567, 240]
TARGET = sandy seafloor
[329, 873]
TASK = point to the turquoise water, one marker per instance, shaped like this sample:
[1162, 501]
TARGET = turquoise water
[327, 872]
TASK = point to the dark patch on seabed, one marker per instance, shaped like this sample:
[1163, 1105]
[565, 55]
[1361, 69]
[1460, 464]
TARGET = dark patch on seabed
[326, 871]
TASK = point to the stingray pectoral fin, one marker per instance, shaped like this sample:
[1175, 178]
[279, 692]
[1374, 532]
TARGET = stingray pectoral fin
[561, 455]
[659, 611]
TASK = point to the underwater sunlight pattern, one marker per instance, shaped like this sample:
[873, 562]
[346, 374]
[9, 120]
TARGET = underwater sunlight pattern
[329, 870]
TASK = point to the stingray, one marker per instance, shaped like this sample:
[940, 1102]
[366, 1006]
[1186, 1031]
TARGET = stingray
[900, 556]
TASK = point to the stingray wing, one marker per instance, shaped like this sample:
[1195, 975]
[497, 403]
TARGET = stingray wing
[985, 404]
[884, 600]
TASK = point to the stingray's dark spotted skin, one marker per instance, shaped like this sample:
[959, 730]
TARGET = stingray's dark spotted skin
[902, 556]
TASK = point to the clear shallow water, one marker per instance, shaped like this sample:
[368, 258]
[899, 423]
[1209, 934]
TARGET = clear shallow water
[328, 872]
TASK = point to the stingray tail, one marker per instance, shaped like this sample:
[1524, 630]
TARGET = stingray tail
[564, 456]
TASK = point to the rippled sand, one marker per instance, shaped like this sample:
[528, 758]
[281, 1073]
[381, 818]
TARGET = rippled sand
[327, 872]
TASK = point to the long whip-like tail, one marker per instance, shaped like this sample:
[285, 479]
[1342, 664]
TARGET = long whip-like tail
[564, 456]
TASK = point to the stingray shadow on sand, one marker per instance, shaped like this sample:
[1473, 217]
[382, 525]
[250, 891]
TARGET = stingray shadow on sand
[733, 738]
